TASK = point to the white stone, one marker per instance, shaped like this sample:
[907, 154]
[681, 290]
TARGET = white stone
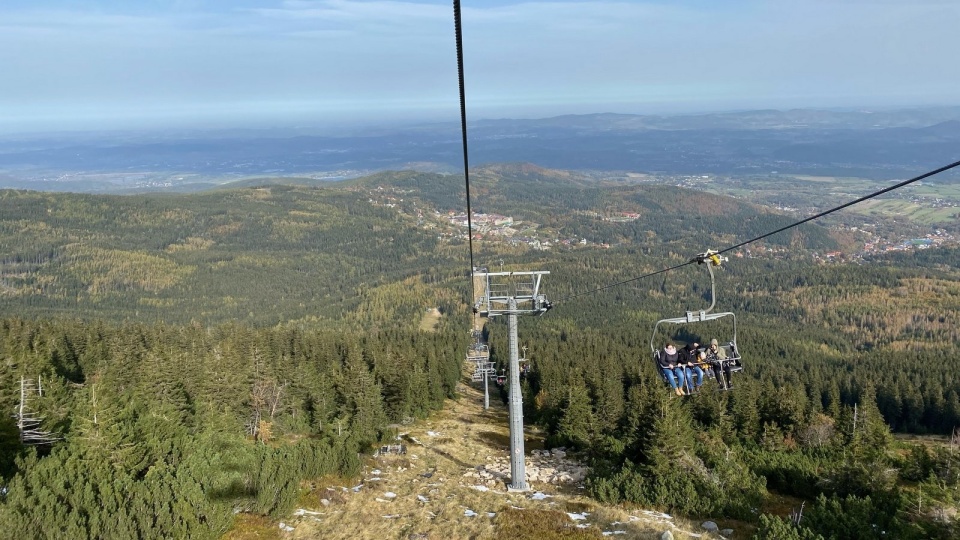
[667, 535]
[710, 526]
[655, 515]
[726, 532]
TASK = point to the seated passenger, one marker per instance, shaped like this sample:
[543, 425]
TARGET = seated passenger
[690, 358]
[717, 358]
[667, 362]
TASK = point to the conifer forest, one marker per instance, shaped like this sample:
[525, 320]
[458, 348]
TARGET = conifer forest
[172, 361]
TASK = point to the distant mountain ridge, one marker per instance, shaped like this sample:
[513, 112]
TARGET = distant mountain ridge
[876, 145]
[753, 119]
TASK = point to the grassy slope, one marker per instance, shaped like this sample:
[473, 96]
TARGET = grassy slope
[464, 436]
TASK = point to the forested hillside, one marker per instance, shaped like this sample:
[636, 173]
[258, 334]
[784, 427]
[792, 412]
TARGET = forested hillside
[200, 355]
[168, 431]
[266, 255]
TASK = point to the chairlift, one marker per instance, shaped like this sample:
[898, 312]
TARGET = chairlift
[724, 367]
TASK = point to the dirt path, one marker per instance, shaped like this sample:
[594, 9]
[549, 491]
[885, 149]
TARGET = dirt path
[437, 490]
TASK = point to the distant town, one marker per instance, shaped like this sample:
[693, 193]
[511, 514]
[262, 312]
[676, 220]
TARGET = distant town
[451, 225]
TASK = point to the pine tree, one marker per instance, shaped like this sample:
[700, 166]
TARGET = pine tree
[576, 425]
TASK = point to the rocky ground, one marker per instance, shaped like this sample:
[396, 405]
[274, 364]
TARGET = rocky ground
[452, 483]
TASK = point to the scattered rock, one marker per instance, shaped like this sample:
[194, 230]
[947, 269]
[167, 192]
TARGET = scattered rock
[325, 502]
[726, 532]
[422, 499]
[710, 526]
[578, 517]
[390, 495]
[667, 535]
[285, 527]
[469, 513]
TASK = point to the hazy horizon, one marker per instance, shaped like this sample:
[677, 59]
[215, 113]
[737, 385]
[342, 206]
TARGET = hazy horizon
[344, 124]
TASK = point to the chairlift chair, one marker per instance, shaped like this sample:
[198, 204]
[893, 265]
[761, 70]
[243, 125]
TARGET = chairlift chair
[711, 259]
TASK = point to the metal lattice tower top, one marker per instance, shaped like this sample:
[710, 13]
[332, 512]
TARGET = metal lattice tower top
[497, 289]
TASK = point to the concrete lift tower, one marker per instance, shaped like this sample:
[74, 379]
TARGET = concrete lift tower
[512, 294]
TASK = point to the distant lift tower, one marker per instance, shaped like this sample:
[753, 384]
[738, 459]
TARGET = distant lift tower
[483, 368]
[512, 294]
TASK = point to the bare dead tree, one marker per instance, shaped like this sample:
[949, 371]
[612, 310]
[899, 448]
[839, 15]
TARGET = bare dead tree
[796, 516]
[266, 397]
[28, 423]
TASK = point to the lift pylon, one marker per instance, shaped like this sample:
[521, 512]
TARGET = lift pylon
[479, 354]
[512, 294]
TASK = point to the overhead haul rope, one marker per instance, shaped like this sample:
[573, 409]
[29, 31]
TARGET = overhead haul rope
[463, 131]
[842, 206]
[781, 229]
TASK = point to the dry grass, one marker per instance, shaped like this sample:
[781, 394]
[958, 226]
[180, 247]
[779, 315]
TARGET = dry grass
[430, 320]
[543, 524]
[253, 527]
[434, 500]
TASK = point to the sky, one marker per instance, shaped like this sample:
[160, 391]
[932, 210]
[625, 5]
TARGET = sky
[106, 64]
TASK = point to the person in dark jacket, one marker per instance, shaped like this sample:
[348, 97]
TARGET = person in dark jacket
[668, 360]
[689, 359]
